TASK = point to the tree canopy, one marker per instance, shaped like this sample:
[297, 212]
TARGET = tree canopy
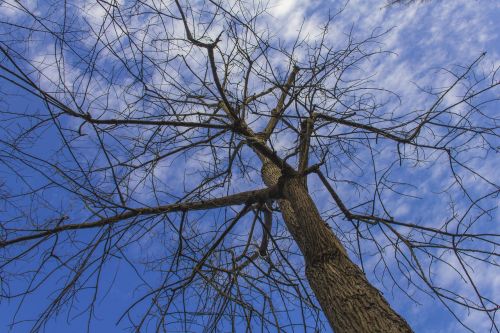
[189, 158]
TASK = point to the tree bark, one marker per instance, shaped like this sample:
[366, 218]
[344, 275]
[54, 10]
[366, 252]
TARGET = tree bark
[348, 300]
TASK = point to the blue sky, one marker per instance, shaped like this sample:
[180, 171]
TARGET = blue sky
[421, 41]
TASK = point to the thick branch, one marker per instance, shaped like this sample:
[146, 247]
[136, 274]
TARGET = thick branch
[266, 227]
[148, 122]
[277, 112]
[248, 197]
[305, 140]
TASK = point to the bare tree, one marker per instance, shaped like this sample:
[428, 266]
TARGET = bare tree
[179, 138]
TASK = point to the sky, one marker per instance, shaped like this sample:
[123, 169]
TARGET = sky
[421, 40]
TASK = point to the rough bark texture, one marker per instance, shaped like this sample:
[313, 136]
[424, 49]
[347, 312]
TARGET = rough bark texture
[348, 300]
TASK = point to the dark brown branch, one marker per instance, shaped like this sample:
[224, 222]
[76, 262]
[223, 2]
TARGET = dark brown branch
[277, 112]
[151, 122]
[369, 128]
[305, 141]
[248, 197]
[266, 227]
[372, 219]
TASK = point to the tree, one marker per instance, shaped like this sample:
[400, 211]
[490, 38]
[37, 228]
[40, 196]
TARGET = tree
[190, 132]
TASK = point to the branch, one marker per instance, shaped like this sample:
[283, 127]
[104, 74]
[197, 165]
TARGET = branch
[39, 93]
[189, 35]
[150, 122]
[266, 227]
[248, 197]
[277, 112]
[372, 219]
[211, 57]
[305, 140]
[381, 132]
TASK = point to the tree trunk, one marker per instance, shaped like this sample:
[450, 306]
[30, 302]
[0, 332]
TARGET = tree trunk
[348, 300]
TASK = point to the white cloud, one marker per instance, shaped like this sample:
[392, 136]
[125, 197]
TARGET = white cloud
[282, 8]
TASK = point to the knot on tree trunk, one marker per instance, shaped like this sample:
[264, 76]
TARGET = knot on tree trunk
[270, 173]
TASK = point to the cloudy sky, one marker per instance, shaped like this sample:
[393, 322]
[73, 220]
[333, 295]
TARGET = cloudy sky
[420, 40]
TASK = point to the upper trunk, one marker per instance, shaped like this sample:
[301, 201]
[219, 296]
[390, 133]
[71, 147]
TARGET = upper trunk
[348, 300]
